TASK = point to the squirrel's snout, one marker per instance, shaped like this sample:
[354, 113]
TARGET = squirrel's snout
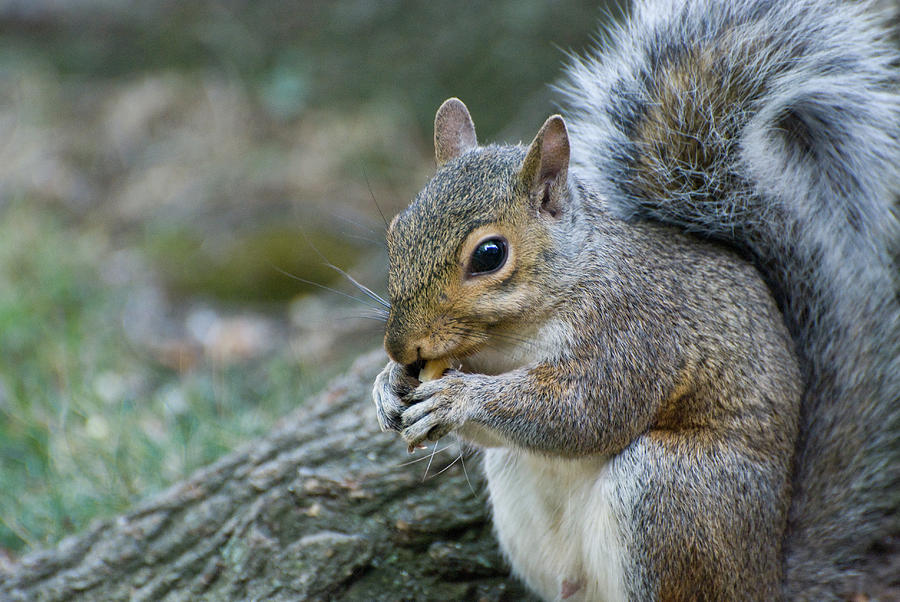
[393, 348]
[409, 351]
[398, 348]
[403, 343]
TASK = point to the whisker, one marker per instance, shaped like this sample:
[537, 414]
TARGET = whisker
[445, 448]
[377, 317]
[372, 194]
[448, 466]
[516, 338]
[430, 460]
[466, 472]
[358, 224]
[530, 343]
[363, 288]
[460, 328]
[368, 239]
[327, 288]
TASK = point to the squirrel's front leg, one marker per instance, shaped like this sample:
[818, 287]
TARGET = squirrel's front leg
[547, 407]
[440, 406]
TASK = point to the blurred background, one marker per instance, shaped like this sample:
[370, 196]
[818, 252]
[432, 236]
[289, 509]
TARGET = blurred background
[171, 171]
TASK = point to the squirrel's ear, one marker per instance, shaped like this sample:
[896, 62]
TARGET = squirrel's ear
[546, 165]
[454, 132]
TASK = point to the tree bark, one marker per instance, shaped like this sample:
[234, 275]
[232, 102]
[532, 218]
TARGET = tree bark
[324, 507]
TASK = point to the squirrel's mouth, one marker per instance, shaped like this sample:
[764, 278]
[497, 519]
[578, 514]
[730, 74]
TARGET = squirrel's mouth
[414, 368]
[426, 370]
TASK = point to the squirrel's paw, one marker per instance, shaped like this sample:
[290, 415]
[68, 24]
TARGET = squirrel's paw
[436, 408]
[390, 387]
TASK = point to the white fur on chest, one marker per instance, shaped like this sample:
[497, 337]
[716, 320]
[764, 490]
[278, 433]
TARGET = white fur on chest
[556, 523]
[554, 517]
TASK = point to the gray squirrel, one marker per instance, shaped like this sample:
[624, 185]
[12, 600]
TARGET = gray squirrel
[672, 321]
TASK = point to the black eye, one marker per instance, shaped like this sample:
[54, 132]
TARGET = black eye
[488, 257]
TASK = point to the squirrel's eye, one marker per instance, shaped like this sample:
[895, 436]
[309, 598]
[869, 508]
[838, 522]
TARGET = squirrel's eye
[488, 257]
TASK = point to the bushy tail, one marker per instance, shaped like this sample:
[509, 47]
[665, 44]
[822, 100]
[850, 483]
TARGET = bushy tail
[775, 126]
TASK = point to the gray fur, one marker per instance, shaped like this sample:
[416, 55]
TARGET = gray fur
[783, 141]
[640, 386]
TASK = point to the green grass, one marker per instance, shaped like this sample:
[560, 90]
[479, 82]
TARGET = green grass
[88, 422]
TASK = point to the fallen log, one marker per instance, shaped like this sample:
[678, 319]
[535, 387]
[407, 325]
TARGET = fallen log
[324, 507]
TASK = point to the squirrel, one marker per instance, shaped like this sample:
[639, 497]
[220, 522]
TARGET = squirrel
[673, 319]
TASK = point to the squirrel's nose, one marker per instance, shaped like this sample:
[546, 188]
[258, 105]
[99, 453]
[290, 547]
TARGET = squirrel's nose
[397, 348]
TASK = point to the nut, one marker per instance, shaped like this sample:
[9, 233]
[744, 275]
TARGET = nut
[433, 370]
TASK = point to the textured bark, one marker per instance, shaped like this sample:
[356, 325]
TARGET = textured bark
[325, 507]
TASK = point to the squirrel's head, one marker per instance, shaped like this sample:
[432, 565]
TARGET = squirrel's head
[468, 255]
